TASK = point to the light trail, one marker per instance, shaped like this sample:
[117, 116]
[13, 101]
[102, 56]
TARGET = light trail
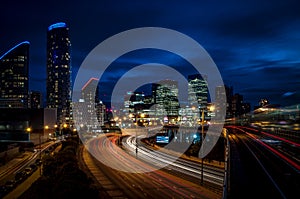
[273, 150]
[157, 184]
[274, 136]
[160, 159]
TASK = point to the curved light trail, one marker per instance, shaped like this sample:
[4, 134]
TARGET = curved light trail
[155, 184]
[278, 152]
[156, 157]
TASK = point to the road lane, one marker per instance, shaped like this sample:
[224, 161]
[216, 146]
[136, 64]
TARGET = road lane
[137, 184]
[212, 174]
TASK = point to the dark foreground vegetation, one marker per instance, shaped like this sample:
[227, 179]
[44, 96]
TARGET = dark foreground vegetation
[62, 177]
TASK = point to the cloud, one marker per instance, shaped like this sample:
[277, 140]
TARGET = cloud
[287, 94]
[255, 44]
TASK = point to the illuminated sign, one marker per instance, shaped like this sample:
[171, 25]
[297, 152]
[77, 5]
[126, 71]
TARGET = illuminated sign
[162, 139]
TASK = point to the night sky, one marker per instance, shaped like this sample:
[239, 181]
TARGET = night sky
[254, 43]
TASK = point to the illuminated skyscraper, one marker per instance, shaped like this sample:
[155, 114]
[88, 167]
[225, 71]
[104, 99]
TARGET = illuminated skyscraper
[35, 100]
[198, 91]
[89, 94]
[165, 95]
[133, 100]
[14, 77]
[89, 111]
[59, 71]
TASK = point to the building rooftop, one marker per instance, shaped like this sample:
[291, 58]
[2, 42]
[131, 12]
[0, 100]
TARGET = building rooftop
[22, 43]
[57, 25]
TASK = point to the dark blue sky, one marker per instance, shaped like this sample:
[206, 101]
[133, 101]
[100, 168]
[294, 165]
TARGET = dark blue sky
[254, 43]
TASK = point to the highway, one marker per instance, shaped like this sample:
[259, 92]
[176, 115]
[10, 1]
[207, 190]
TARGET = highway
[261, 165]
[135, 178]
[8, 171]
[182, 167]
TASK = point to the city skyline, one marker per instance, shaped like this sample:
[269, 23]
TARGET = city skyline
[255, 46]
[150, 99]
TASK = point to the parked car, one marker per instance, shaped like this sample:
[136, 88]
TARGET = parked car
[20, 176]
[38, 161]
[3, 191]
[28, 171]
[33, 167]
[10, 184]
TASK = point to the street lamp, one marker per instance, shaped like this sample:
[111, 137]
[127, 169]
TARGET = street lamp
[136, 142]
[202, 141]
[46, 130]
[57, 130]
[135, 123]
[28, 130]
[64, 128]
[211, 108]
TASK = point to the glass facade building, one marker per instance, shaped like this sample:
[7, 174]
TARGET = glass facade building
[165, 94]
[59, 71]
[14, 77]
[35, 100]
[198, 91]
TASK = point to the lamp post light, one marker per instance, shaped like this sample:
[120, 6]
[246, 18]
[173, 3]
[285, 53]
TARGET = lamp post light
[211, 108]
[136, 140]
[28, 130]
[57, 133]
[202, 141]
[135, 129]
[64, 128]
[46, 130]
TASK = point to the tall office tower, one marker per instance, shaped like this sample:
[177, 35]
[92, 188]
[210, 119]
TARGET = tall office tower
[14, 77]
[198, 91]
[237, 102]
[221, 92]
[165, 95]
[100, 112]
[132, 101]
[89, 95]
[35, 100]
[59, 71]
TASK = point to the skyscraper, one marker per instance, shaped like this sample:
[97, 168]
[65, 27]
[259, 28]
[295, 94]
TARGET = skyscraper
[59, 71]
[221, 92]
[35, 100]
[165, 95]
[89, 111]
[89, 94]
[14, 77]
[133, 100]
[198, 91]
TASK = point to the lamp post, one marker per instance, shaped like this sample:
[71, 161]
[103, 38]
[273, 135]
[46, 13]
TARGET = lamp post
[135, 129]
[202, 141]
[136, 142]
[46, 131]
[211, 108]
[28, 130]
[64, 129]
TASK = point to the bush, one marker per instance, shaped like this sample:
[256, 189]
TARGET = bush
[62, 177]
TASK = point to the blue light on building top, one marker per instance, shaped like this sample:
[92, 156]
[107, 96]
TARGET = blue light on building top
[57, 25]
[12, 49]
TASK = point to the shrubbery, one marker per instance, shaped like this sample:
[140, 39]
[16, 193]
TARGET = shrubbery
[62, 177]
